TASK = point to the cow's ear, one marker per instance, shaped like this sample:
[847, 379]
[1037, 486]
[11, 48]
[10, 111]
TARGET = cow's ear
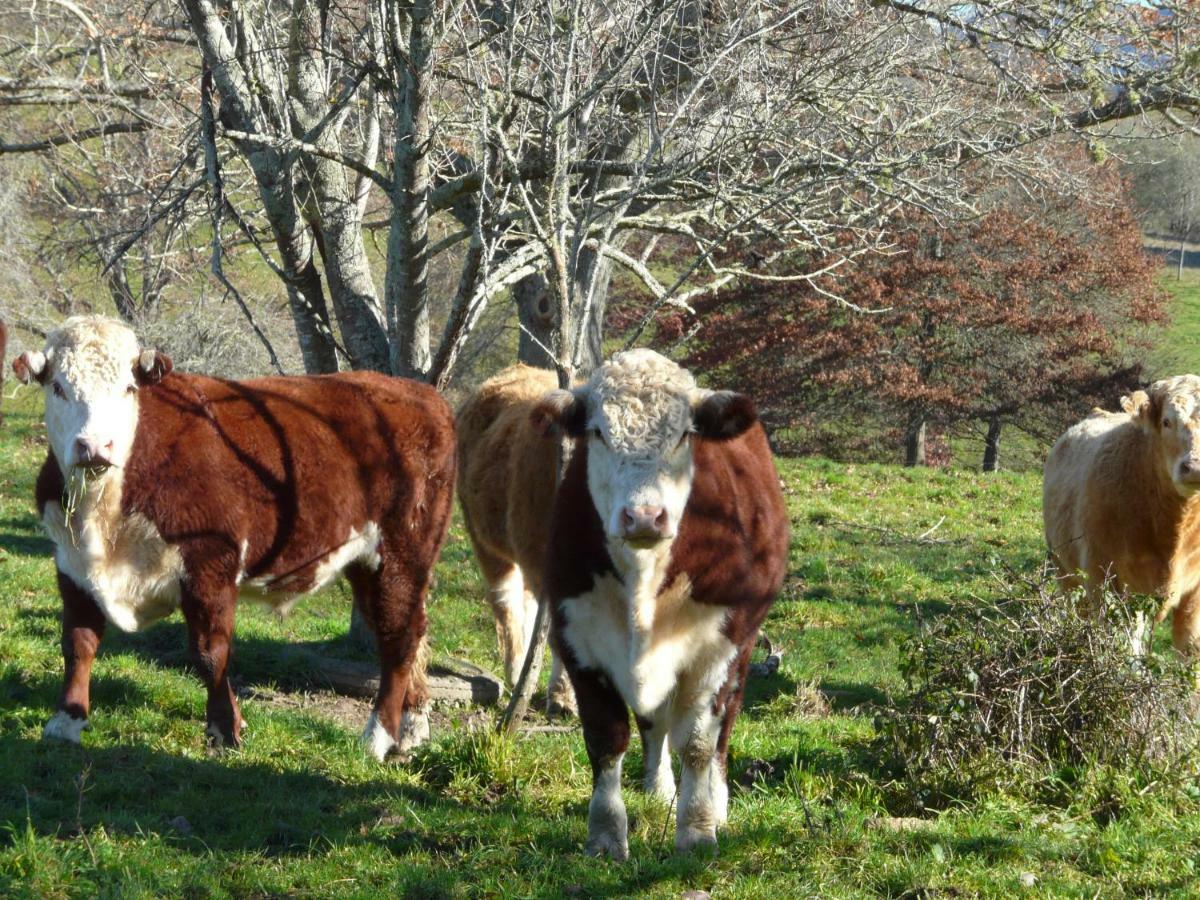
[721, 415]
[1150, 413]
[1135, 404]
[31, 366]
[152, 366]
[560, 412]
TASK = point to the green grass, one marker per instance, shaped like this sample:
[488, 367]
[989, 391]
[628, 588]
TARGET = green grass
[1179, 348]
[142, 809]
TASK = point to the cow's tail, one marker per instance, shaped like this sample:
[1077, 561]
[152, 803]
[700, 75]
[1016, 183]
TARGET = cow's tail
[418, 676]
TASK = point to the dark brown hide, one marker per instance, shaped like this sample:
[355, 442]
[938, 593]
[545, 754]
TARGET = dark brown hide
[286, 468]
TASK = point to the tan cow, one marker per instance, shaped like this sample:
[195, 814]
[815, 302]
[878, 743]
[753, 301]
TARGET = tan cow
[506, 488]
[1120, 501]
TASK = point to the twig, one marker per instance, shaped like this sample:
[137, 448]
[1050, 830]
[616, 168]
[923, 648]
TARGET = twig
[208, 129]
[896, 537]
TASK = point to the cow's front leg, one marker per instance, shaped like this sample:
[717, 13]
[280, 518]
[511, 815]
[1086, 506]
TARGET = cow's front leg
[658, 780]
[82, 628]
[210, 616]
[605, 723]
[702, 733]
[703, 795]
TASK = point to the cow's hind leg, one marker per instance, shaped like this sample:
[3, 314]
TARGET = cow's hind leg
[395, 594]
[82, 628]
[560, 698]
[210, 617]
[658, 780]
[605, 722]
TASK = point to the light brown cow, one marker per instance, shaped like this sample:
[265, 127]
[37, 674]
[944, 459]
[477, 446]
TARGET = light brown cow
[1120, 502]
[506, 488]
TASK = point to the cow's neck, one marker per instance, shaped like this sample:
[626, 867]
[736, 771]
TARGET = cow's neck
[642, 574]
[92, 518]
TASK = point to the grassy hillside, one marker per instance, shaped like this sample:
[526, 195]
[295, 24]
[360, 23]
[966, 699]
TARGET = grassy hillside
[142, 809]
[1179, 349]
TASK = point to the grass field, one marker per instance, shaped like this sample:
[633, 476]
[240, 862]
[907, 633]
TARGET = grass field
[142, 809]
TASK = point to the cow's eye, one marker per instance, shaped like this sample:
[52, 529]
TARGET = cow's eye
[599, 435]
[1166, 423]
[132, 389]
[58, 391]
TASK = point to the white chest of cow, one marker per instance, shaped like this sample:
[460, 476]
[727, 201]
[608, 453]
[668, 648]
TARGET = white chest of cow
[654, 647]
[121, 560]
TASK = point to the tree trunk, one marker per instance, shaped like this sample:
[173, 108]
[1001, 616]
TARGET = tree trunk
[306, 299]
[591, 265]
[991, 446]
[914, 440]
[331, 206]
[535, 311]
[406, 293]
[1182, 256]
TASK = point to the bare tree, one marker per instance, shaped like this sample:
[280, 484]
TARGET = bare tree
[1166, 180]
[532, 143]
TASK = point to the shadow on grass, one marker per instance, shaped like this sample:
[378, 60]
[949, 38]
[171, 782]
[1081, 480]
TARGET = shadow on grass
[287, 665]
[24, 544]
[226, 803]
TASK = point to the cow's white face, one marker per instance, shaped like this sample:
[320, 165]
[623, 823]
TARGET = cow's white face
[91, 370]
[1171, 411]
[638, 413]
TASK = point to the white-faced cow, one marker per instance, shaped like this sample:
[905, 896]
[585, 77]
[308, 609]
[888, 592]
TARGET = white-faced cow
[668, 544]
[1120, 502]
[506, 473]
[165, 491]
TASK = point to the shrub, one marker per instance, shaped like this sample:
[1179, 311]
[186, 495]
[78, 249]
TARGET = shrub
[1023, 687]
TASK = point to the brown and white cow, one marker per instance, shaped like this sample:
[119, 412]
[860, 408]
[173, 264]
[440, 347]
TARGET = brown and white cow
[1121, 502]
[506, 473]
[669, 542]
[167, 491]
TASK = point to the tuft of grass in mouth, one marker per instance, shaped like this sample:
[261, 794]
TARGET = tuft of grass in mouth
[74, 491]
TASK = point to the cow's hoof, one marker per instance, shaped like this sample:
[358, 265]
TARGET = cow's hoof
[661, 788]
[375, 739]
[607, 844]
[696, 841]
[62, 726]
[218, 740]
[414, 729]
[561, 706]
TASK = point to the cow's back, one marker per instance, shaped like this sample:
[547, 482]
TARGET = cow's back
[507, 470]
[286, 465]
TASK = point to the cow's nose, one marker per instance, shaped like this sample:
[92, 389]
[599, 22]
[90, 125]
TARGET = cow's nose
[643, 522]
[91, 454]
[1189, 468]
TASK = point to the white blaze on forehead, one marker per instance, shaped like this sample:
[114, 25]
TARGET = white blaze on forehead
[642, 401]
[93, 353]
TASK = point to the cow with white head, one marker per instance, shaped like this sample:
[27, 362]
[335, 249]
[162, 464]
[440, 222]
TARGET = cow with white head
[669, 544]
[166, 491]
[90, 370]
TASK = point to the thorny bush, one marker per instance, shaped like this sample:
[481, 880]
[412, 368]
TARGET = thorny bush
[1003, 693]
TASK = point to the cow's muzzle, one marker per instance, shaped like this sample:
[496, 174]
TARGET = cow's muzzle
[92, 455]
[644, 526]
